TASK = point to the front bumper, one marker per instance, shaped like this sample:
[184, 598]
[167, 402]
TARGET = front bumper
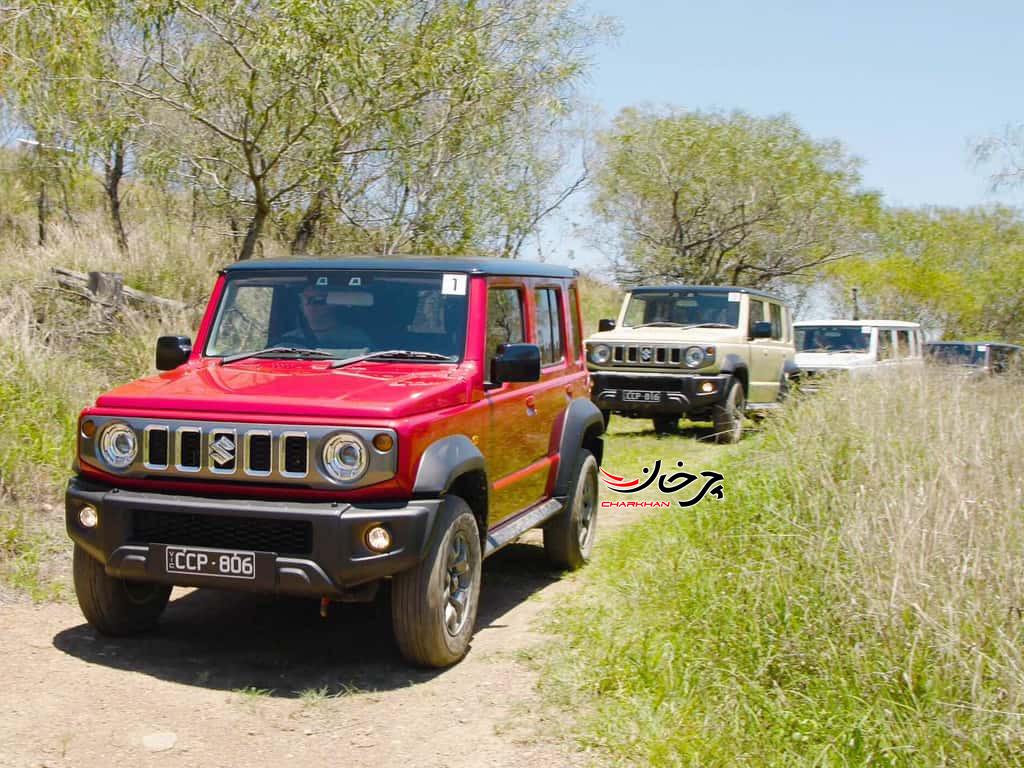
[648, 394]
[302, 548]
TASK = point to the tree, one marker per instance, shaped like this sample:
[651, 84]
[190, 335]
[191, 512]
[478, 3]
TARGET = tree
[297, 106]
[57, 54]
[712, 198]
[1006, 152]
[959, 272]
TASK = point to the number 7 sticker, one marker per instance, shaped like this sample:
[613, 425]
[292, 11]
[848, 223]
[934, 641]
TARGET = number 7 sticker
[453, 285]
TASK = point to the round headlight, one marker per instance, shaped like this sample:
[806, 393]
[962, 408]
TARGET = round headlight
[600, 354]
[344, 457]
[118, 445]
[693, 357]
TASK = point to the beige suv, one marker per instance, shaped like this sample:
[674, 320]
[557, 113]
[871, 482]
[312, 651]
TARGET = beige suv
[710, 353]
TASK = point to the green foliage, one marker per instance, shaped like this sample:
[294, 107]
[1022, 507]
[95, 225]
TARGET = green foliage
[713, 198]
[961, 272]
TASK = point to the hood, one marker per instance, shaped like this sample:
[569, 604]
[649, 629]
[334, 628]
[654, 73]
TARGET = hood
[814, 360]
[285, 388]
[668, 336]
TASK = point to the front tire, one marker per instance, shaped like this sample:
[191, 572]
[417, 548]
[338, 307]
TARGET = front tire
[434, 604]
[116, 606]
[728, 415]
[569, 536]
[666, 425]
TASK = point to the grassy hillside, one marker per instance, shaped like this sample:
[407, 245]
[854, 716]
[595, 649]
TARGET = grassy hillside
[60, 352]
[855, 601]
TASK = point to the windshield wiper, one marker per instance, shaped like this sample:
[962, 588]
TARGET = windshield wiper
[661, 324]
[711, 325]
[399, 353]
[299, 352]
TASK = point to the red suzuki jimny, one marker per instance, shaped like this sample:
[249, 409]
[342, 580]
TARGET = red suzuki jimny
[338, 423]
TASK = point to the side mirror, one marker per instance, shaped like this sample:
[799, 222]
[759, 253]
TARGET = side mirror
[516, 362]
[172, 351]
[762, 330]
[606, 325]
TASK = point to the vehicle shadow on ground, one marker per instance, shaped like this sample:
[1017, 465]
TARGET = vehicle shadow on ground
[281, 647]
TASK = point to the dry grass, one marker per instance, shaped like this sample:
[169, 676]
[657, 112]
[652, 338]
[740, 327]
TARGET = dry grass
[856, 601]
[59, 353]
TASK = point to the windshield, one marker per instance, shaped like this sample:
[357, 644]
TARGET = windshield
[337, 313]
[682, 308]
[958, 354]
[832, 338]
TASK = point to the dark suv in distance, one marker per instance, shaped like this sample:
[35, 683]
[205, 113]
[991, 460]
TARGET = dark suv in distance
[985, 357]
[340, 423]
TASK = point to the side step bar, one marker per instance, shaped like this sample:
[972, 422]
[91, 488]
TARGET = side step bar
[508, 532]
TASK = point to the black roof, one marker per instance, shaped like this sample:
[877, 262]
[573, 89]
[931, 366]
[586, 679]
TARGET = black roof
[969, 343]
[475, 266]
[706, 289]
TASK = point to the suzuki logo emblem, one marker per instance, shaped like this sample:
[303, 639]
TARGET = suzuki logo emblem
[223, 449]
[646, 354]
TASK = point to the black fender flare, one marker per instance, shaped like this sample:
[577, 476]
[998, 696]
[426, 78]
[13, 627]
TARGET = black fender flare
[579, 417]
[736, 366]
[443, 462]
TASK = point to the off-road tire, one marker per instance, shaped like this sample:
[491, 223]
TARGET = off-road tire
[785, 389]
[666, 425]
[116, 606]
[727, 416]
[566, 544]
[421, 597]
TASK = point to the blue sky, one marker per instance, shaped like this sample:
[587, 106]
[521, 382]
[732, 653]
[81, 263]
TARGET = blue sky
[905, 86]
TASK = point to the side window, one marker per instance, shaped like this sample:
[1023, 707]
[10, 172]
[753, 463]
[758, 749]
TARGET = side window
[574, 326]
[885, 346]
[504, 320]
[756, 315]
[903, 343]
[776, 311]
[548, 307]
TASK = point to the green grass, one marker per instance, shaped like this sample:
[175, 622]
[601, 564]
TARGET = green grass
[850, 603]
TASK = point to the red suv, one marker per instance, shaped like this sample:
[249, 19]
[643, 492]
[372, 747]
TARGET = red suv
[339, 423]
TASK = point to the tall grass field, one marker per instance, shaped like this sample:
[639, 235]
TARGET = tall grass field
[858, 598]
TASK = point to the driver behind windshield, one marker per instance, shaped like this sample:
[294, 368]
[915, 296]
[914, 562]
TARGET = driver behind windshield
[320, 326]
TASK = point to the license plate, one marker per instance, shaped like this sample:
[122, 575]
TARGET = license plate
[222, 563]
[640, 396]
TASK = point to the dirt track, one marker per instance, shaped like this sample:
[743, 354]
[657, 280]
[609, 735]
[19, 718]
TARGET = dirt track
[71, 697]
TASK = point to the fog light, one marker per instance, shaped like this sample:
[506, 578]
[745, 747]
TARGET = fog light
[88, 517]
[707, 386]
[378, 539]
[88, 428]
[383, 442]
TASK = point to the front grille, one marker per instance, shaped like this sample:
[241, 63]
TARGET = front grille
[259, 453]
[295, 454]
[646, 354]
[286, 537]
[649, 383]
[227, 451]
[190, 449]
[157, 450]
